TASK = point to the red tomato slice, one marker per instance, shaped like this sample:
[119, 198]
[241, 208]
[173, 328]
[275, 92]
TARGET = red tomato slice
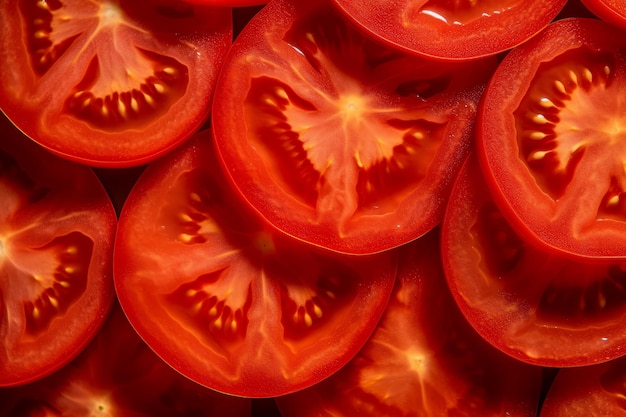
[452, 29]
[230, 303]
[337, 140]
[110, 83]
[597, 390]
[551, 138]
[423, 359]
[536, 306]
[118, 375]
[56, 246]
[613, 11]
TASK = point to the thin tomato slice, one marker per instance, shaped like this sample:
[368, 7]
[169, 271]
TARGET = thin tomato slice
[535, 305]
[110, 82]
[613, 11]
[452, 29]
[335, 139]
[229, 302]
[423, 359]
[118, 375]
[552, 138]
[57, 226]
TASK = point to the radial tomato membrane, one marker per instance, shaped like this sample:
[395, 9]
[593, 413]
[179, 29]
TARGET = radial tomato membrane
[335, 139]
[555, 163]
[532, 304]
[110, 82]
[225, 299]
[422, 359]
[57, 226]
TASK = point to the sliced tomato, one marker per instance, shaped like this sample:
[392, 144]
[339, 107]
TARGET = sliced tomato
[535, 305]
[452, 29]
[551, 138]
[597, 390]
[229, 302]
[337, 140]
[118, 375]
[57, 226]
[106, 82]
[613, 11]
[423, 359]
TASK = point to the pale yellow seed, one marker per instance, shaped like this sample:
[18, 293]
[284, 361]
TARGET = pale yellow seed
[540, 119]
[607, 70]
[169, 70]
[194, 197]
[72, 250]
[419, 135]
[64, 284]
[280, 92]
[185, 237]
[308, 320]
[537, 155]
[233, 325]
[317, 311]
[40, 34]
[613, 201]
[134, 104]
[218, 322]
[121, 108]
[36, 313]
[42, 4]
[53, 301]
[148, 99]
[69, 269]
[573, 76]
[588, 75]
[560, 87]
[546, 103]
[310, 37]
[105, 111]
[212, 311]
[160, 88]
[537, 135]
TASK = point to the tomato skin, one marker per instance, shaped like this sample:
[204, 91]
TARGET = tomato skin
[118, 375]
[426, 27]
[554, 168]
[337, 140]
[57, 226]
[228, 302]
[596, 390]
[534, 305]
[612, 11]
[110, 83]
[423, 359]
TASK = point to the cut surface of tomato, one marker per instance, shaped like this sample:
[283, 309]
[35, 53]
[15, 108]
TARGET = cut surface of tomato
[423, 359]
[57, 226]
[110, 82]
[228, 302]
[118, 375]
[452, 30]
[612, 11]
[532, 304]
[337, 140]
[552, 138]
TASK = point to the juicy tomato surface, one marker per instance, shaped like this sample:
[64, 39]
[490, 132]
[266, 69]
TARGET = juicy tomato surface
[110, 82]
[452, 29]
[335, 139]
[613, 11]
[228, 302]
[534, 305]
[118, 375]
[57, 227]
[423, 359]
[551, 138]
[597, 390]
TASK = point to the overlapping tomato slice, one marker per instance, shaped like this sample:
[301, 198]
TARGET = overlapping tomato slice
[57, 226]
[229, 302]
[335, 139]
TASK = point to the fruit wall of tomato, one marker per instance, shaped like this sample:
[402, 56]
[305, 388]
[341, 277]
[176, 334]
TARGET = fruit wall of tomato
[110, 82]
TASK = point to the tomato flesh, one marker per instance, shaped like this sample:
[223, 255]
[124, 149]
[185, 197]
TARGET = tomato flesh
[555, 164]
[111, 82]
[56, 244]
[337, 140]
[228, 301]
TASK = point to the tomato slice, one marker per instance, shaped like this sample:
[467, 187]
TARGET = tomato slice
[57, 226]
[535, 305]
[452, 29]
[613, 11]
[110, 82]
[337, 140]
[596, 390]
[423, 359]
[230, 303]
[118, 375]
[551, 138]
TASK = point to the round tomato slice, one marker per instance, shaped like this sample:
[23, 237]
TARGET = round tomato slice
[552, 138]
[110, 82]
[613, 11]
[228, 302]
[337, 140]
[532, 304]
[57, 226]
[597, 390]
[118, 375]
[452, 29]
[423, 359]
